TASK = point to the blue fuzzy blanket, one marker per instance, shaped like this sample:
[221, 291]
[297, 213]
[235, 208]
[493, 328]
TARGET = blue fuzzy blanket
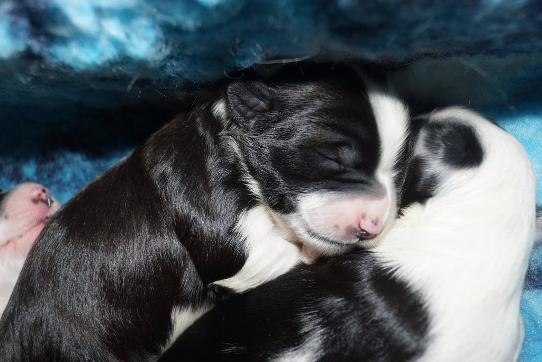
[82, 82]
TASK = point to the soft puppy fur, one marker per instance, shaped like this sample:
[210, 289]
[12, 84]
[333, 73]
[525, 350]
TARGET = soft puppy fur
[443, 285]
[270, 171]
[24, 210]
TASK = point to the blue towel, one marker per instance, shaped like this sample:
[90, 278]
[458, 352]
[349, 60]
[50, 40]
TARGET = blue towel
[527, 128]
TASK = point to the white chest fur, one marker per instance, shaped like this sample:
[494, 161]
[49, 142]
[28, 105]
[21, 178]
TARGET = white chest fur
[270, 253]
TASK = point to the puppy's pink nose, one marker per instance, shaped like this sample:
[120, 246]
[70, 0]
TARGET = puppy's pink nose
[369, 227]
[39, 193]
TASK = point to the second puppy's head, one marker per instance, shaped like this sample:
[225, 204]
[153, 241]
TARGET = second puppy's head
[319, 151]
[24, 210]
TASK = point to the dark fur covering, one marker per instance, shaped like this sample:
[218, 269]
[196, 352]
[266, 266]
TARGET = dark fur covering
[410, 181]
[153, 232]
[362, 310]
[454, 143]
[457, 144]
[353, 306]
[3, 194]
[291, 127]
[149, 234]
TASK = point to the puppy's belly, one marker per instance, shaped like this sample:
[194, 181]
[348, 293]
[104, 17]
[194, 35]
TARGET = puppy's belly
[270, 254]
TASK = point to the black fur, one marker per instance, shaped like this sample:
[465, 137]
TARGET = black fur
[365, 313]
[288, 127]
[357, 308]
[409, 178]
[3, 194]
[456, 143]
[419, 185]
[155, 230]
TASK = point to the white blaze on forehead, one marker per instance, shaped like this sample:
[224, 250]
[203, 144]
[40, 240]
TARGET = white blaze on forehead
[392, 120]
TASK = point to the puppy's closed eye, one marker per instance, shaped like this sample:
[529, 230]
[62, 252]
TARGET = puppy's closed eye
[331, 157]
[340, 155]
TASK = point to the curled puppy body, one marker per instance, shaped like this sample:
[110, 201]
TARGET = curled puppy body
[443, 285]
[24, 210]
[222, 196]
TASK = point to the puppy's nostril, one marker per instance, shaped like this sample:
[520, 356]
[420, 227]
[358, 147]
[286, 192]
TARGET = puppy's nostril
[363, 235]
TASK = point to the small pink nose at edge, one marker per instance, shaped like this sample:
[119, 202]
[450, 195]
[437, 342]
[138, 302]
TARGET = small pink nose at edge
[371, 225]
[39, 193]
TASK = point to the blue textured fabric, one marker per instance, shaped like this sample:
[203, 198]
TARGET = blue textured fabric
[527, 128]
[83, 81]
[236, 33]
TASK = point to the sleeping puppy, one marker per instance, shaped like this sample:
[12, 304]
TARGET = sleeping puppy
[234, 194]
[24, 210]
[443, 285]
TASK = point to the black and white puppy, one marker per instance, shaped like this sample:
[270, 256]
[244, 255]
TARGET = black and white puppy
[225, 195]
[443, 285]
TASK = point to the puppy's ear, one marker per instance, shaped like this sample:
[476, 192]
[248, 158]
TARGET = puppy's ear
[250, 103]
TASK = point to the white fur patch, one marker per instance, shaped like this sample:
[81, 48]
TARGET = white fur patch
[10, 267]
[184, 318]
[310, 349]
[268, 241]
[248, 180]
[270, 254]
[219, 109]
[466, 250]
[392, 119]
[307, 352]
[307, 205]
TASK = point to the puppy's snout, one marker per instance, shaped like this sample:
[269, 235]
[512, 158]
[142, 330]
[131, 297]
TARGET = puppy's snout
[39, 193]
[371, 221]
[352, 219]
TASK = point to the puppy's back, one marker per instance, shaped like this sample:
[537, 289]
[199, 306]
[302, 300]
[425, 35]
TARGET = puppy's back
[472, 237]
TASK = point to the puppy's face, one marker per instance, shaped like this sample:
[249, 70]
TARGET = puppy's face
[23, 213]
[312, 151]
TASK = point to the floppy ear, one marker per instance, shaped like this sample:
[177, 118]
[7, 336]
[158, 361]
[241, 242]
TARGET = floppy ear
[249, 103]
